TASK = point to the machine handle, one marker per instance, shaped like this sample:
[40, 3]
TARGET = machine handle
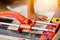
[18, 16]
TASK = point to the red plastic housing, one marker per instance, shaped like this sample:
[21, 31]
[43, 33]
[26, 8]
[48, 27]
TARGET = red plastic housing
[49, 35]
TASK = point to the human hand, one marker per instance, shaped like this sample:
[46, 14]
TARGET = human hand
[37, 17]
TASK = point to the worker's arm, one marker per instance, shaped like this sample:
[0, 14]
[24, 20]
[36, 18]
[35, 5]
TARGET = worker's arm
[30, 6]
[32, 14]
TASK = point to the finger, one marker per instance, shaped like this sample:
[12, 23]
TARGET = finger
[42, 19]
[45, 19]
[43, 16]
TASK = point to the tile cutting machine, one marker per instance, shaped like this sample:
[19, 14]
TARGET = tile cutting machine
[27, 26]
